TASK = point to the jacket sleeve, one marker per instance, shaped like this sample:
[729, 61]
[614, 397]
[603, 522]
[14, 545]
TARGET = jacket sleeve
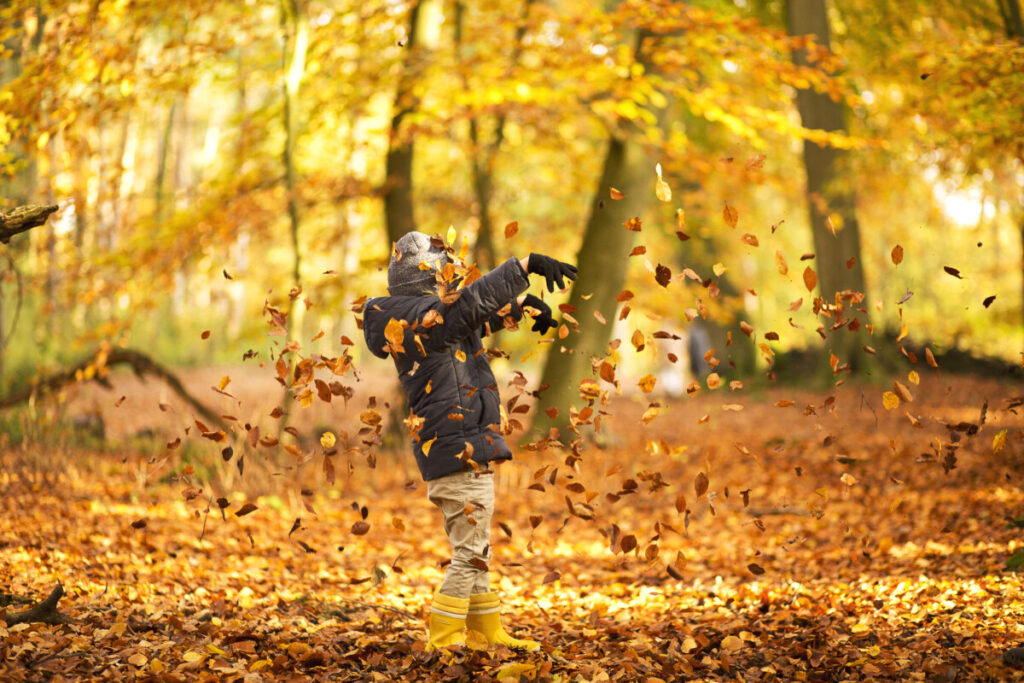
[479, 302]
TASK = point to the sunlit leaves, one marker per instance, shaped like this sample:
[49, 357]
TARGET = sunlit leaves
[661, 188]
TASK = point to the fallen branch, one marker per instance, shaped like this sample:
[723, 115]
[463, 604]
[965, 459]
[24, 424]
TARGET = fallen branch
[44, 613]
[94, 369]
[23, 218]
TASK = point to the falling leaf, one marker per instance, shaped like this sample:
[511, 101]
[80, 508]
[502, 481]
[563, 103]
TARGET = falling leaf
[661, 188]
[662, 275]
[780, 263]
[511, 229]
[700, 484]
[930, 358]
[890, 400]
[755, 569]
[810, 279]
[755, 162]
[647, 383]
[427, 446]
[633, 224]
[750, 239]
[638, 251]
[245, 509]
[730, 215]
[718, 269]
[360, 528]
[615, 194]
[714, 381]
[905, 297]
[998, 442]
[327, 440]
[914, 377]
[988, 301]
[450, 236]
[897, 255]
[118, 402]
[953, 271]
[205, 334]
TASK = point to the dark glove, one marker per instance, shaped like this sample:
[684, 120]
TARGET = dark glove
[552, 270]
[543, 321]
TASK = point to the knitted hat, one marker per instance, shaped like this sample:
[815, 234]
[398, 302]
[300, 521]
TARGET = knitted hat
[405, 277]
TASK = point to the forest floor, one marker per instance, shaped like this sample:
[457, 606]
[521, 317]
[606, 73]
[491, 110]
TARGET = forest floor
[830, 544]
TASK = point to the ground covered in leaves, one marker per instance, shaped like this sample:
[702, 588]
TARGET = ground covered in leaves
[824, 539]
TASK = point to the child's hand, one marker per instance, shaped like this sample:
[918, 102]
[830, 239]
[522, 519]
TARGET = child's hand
[552, 270]
[542, 322]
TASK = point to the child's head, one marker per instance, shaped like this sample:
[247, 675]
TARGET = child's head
[405, 276]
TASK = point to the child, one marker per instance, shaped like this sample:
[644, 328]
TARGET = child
[448, 381]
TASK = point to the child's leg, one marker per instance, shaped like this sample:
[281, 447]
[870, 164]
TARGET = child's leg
[466, 500]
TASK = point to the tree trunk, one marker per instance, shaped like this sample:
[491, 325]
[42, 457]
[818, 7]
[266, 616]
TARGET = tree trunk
[294, 61]
[1014, 26]
[398, 206]
[483, 156]
[829, 194]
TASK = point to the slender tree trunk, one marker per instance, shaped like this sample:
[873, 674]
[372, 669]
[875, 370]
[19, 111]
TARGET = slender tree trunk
[398, 188]
[829, 194]
[160, 212]
[295, 29]
[483, 156]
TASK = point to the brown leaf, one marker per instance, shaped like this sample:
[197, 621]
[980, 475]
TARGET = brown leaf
[205, 334]
[360, 528]
[662, 275]
[897, 255]
[628, 543]
[700, 484]
[245, 509]
[755, 569]
[953, 271]
[511, 229]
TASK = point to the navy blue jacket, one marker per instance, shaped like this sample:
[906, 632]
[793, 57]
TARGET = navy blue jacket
[445, 374]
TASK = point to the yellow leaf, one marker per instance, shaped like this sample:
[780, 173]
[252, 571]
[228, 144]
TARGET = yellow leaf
[224, 381]
[718, 269]
[714, 381]
[914, 377]
[450, 236]
[649, 414]
[460, 355]
[43, 139]
[426, 447]
[890, 400]
[214, 650]
[260, 664]
[192, 656]
[138, 659]
[903, 333]
[647, 383]
[998, 442]
[780, 263]
[327, 440]
[661, 188]
[298, 649]
[515, 670]
[156, 666]
[731, 643]
[476, 640]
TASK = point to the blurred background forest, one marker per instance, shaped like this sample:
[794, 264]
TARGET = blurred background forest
[207, 158]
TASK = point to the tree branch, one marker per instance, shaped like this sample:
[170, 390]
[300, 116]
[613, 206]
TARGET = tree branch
[23, 218]
[43, 613]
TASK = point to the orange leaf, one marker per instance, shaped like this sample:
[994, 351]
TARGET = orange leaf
[810, 279]
[615, 194]
[897, 255]
[730, 215]
[511, 229]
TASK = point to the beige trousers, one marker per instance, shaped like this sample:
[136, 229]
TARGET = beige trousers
[466, 500]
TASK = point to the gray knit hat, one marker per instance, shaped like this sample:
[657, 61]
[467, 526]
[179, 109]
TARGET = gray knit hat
[405, 277]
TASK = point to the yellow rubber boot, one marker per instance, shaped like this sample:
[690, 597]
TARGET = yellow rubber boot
[447, 625]
[485, 616]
